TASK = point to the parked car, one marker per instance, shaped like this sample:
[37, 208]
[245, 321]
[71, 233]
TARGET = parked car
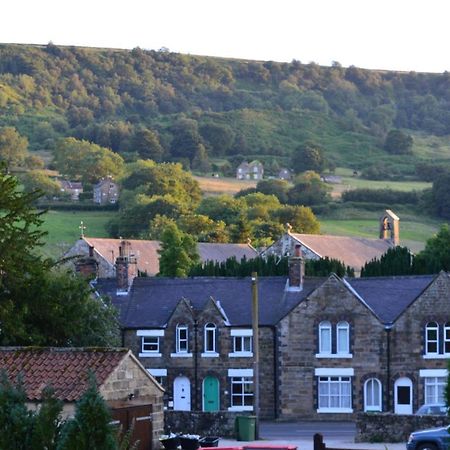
[437, 409]
[432, 439]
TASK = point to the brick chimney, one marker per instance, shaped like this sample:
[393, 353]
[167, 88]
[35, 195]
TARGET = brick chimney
[296, 270]
[87, 266]
[126, 268]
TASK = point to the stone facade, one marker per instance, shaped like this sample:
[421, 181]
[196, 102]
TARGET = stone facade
[300, 360]
[106, 191]
[198, 364]
[130, 378]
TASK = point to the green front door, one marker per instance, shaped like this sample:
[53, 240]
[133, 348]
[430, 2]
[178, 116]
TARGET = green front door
[210, 394]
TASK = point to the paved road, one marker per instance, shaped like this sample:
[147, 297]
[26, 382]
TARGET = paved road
[339, 435]
[306, 430]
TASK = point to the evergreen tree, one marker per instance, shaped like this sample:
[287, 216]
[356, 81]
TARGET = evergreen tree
[396, 261]
[90, 429]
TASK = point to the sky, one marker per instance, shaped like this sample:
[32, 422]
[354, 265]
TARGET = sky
[406, 35]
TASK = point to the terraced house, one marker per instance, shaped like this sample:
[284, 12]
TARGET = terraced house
[330, 347]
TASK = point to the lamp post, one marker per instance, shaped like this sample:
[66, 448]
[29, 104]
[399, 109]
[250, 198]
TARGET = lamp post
[255, 327]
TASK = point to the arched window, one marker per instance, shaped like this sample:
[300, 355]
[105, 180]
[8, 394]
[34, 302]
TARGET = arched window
[447, 338]
[210, 338]
[372, 395]
[431, 338]
[343, 338]
[325, 337]
[182, 343]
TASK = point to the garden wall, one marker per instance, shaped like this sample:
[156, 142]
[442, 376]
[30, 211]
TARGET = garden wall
[386, 427]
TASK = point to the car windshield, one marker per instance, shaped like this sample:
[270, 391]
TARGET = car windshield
[432, 409]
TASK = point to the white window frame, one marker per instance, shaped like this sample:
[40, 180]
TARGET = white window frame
[181, 351]
[429, 327]
[437, 386]
[343, 327]
[446, 346]
[210, 329]
[243, 377]
[242, 336]
[370, 386]
[345, 400]
[325, 326]
[159, 375]
[150, 334]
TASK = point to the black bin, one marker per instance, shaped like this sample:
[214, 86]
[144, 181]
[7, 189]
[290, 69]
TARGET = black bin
[210, 441]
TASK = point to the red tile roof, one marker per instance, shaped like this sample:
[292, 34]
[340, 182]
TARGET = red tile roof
[64, 369]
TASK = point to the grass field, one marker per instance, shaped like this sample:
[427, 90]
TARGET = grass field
[218, 186]
[63, 228]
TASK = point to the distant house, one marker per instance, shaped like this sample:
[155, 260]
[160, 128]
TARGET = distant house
[72, 188]
[250, 171]
[106, 191]
[285, 174]
[99, 255]
[127, 387]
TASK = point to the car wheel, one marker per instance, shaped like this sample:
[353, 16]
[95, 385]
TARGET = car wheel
[427, 447]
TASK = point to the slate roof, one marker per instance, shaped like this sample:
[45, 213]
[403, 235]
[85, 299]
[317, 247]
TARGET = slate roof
[152, 300]
[353, 251]
[147, 256]
[389, 297]
[65, 369]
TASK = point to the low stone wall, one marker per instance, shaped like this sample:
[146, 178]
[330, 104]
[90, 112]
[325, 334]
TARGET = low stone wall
[219, 424]
[386, 427]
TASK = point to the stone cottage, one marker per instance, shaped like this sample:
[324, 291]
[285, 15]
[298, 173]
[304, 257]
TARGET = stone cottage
[250, 171]
[106, 191]
[123, 382]
[330, 347]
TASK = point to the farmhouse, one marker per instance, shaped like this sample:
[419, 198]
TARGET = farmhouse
[250, 171]
[330, 347]
[352, 251]
[106, 191]
[123, 382]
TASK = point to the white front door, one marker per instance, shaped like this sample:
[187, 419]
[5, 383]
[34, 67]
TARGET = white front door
[181, 394]
[403, 396]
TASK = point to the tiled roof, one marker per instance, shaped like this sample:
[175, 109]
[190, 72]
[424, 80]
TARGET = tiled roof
[152, 300]
[354, 252]
[65, 369]
[388, 297]
[147, 256]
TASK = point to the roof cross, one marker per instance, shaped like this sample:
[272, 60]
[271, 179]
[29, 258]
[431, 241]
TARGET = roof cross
[82, 227]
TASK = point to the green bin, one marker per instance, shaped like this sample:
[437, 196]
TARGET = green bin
[246, 428]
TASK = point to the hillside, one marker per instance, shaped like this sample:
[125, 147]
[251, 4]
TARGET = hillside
[222, 109]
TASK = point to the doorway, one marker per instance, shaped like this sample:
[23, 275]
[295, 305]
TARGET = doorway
[210, 394]
[403, 396]
[181, 394]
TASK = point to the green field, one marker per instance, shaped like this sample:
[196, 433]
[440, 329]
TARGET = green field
[63, 228]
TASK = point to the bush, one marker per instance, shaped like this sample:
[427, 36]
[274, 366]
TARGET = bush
[385, 196]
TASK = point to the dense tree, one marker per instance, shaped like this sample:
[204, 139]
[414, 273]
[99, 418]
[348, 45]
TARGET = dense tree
[178, 252]
[279, 188]
[186, 139]
[396, 261]
[83, 160]
[222, 207]
[308, 156]
[13, 147]
[440, 194]
[301, 218]
[39, 180]
[308, 190]
[436, 255]
[398, 142]
[146, 143]
[219, 137]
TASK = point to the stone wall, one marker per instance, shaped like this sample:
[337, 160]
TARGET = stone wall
[386, 427]
[219, 424]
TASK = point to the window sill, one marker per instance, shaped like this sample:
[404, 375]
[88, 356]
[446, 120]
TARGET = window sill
[240, 355]
[149, 355]
[181, 355]
[334, 355]
[436, 356]
[335, 410]
[210, 355]
[240, 408]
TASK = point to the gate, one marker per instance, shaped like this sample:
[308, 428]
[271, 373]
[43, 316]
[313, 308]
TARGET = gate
[127, 414]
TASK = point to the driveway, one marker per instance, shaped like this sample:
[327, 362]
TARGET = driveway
[339, 435]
